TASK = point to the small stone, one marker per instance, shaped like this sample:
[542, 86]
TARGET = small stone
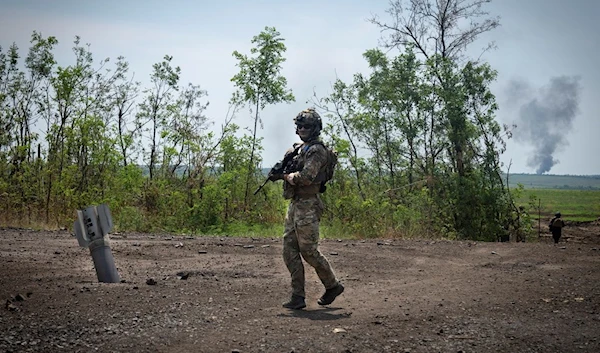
[150, 281]
[183, 275]
[339, 330]
[9, 306]
[248, 246]
[202, 251]
[333, 253]
[19, 298]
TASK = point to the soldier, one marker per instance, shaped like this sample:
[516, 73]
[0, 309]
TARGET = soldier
[301, 234]
[556, 225]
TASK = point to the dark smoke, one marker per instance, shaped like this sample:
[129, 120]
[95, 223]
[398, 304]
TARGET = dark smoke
[546, 117]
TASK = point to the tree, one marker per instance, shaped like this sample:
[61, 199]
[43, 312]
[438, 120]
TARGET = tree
[155, 111]
[459, 104]
[185, 127]
[436, 27]
[436, 30]
[341, 107]
[21, 92]
[259, 83]
[126, 92]
[425, 117]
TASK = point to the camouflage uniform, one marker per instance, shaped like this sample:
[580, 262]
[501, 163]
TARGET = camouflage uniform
[301, 235]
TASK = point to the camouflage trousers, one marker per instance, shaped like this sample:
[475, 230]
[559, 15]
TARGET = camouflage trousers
[301, 241]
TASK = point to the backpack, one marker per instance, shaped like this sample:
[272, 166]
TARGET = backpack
[550, 224]
[558, 223]
[332, 161]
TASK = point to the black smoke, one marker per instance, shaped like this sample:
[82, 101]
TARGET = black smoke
[545, 117]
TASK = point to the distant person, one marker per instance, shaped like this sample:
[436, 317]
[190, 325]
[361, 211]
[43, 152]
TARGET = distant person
[556, 225]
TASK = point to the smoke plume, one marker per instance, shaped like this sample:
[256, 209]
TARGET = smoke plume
[545, 117]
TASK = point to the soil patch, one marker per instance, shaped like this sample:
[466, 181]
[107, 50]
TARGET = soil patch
[212, 294]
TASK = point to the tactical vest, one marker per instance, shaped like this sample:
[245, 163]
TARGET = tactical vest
[323, 176]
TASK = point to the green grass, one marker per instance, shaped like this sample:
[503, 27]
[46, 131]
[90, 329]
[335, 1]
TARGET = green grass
[574, 205]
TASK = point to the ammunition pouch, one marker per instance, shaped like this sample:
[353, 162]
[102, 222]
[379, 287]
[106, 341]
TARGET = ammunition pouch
[292, 191]
[288, 190]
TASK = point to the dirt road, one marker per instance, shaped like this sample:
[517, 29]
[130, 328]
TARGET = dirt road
[224, 295]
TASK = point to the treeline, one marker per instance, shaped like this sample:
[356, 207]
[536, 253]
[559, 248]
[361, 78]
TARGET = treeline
[417, 138]
[96, 123]
[553, 181]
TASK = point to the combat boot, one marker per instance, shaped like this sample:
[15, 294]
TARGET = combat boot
[331, 294]
[296, 303]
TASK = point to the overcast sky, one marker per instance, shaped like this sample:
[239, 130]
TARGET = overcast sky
[547, 59]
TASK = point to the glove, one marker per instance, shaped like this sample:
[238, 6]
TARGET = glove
[290, 177]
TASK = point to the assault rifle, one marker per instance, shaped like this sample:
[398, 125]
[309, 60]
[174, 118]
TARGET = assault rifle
[285, 166]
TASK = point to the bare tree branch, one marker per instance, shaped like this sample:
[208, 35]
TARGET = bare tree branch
[416, 22]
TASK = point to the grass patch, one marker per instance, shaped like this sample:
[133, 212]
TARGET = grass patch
[574, 205]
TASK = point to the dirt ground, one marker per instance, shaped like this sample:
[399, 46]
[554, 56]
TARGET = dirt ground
[224, 294]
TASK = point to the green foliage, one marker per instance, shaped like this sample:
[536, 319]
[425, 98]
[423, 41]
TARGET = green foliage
[156, 113]
[259, 83]
[417, 139]
[438, 131]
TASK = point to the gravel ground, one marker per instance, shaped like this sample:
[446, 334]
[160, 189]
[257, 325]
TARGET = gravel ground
[223, 294]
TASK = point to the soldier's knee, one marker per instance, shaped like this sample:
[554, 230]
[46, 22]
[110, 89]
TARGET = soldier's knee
[290, 253]
[307, 246]
[311, 255]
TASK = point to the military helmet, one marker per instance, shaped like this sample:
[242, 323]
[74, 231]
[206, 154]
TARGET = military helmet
[557, 214]
[310, 117]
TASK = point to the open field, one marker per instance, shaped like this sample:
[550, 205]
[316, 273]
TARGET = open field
[576, 205]
[216, 294]
[544, 181]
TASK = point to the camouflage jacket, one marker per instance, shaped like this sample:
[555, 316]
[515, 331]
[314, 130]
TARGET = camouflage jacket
[310, 161]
